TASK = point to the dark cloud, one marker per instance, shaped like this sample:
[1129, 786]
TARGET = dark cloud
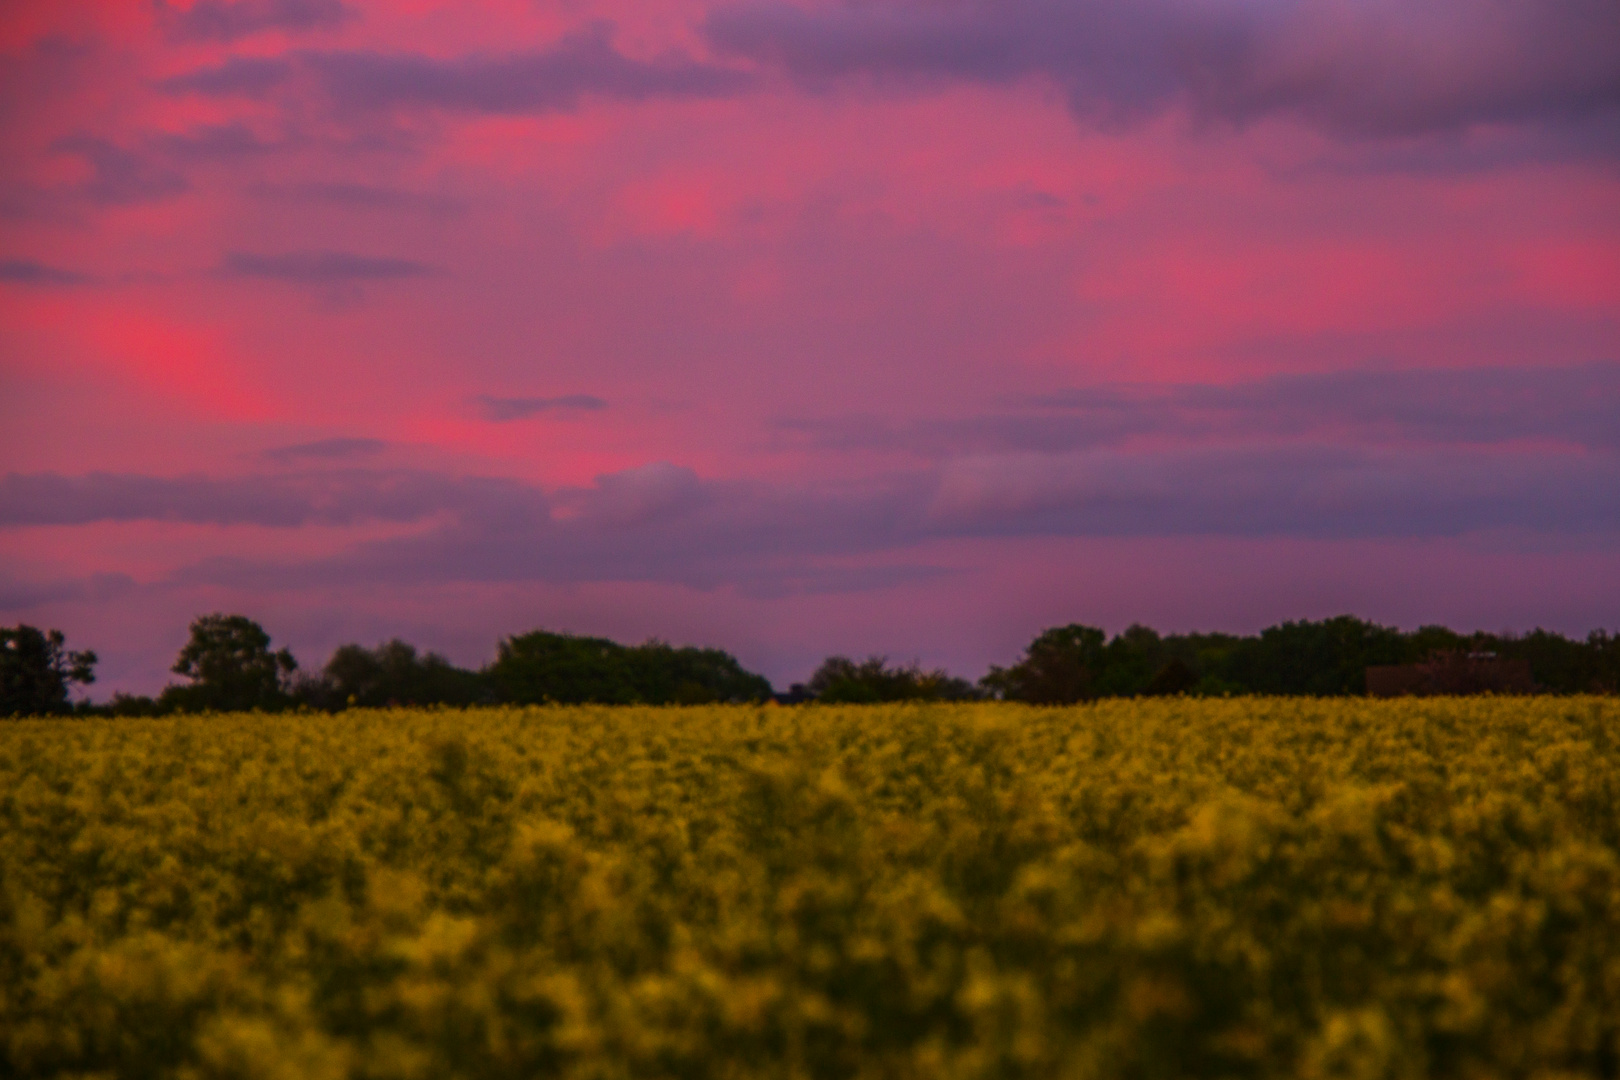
[939, 437]
[248, 76]
[654, 523]
[503, 409]
[325, 498]
[334, 449]
[227, 20]
[1311, 491]
[121, 176]
[29, 272]
[211, 142]
[655, 492]
[20, 595]
[320, 267]
[1379, 68]
[1576, 406]
[585, 64]
[155, 166]
[667, 526]
[663, 523]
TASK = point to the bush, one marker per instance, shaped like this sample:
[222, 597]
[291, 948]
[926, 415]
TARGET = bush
[541, 666]
[840, 680]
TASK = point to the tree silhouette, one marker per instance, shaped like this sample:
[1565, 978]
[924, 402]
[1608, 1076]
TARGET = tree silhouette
[393, 673]
[543, 666]
[35, 671]
[1060, 667]
[840, 680]
[231, 667]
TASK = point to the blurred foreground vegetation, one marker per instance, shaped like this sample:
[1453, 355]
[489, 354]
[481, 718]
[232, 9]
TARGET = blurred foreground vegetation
[1177, 887]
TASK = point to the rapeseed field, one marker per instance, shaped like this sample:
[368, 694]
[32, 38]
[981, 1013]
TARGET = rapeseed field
[1166, 888]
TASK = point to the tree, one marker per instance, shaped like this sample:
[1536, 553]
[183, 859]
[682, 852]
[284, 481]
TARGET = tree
[1060, 667]
[391, 674]
[665, 675]
[231, 668]
[1175, 677]
[1130, 663]
[542, 666]
[840, 680]
[1315, 658]
[35, 671]
[1604, 649]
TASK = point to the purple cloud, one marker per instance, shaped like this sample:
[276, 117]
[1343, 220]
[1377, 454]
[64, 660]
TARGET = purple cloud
[582, 65]
[210, 142]
[1576, 406]
[150, 168]
[121, 176]
[325, 498]
[29, 272]
[246, 76]
[503, 409]
[334, 449]
[227, 20]
[1310, 492]
[662, 523]
[20, 595]
[1380, 69]
[320, 267]
[655, 523]
[1391, 454]
[644, 494]
[352, 196]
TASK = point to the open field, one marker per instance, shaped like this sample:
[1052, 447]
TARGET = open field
[1174, 887]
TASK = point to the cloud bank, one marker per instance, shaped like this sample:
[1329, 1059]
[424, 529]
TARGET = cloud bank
[1575, 407]
[228, 20]
[30, 272]
[584, 64]
[663, 523]
[320, 267]
[1367, 69]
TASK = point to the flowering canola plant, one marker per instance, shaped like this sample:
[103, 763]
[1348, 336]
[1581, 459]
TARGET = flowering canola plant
[1153, 888]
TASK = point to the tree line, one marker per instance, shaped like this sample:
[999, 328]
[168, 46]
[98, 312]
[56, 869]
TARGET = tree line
[228, 664]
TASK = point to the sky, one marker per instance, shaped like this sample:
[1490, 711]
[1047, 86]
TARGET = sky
[899, 327]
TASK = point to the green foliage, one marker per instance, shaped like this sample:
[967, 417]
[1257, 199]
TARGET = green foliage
[1327, 657]
[1569, 666]
[545, 667]
[841, 681]
[1260, 888]
[123, 704]
[231, 667]
[391, 674]
[1075, 663]
[1060, 667]
[35, 670]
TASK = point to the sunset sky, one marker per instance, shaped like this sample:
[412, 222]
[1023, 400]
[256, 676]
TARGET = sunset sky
[886, 327]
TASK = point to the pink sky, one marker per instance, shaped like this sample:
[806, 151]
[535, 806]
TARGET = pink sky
[895, 327]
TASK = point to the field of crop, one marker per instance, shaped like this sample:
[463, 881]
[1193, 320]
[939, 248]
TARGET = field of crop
[1167, 888]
